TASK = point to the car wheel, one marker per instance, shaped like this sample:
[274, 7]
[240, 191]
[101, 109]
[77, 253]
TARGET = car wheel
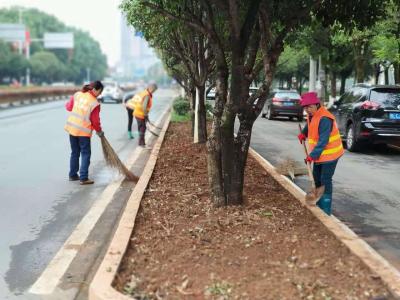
[290, 118]
[352, 143]
[269, 114]
[300, 118]
[263, 115]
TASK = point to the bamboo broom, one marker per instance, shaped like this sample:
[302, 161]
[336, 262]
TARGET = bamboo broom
[114, 162]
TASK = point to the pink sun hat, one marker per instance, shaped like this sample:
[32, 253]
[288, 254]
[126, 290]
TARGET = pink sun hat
[309, 98]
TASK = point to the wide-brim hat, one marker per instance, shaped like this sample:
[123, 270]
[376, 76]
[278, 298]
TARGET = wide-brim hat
[309, 98]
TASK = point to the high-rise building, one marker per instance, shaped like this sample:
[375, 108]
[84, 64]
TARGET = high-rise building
[136, 55]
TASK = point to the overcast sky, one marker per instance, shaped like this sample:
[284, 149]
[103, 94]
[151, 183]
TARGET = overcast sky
[99, 17]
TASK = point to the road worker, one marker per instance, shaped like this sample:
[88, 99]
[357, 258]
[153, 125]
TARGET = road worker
[142, 103]
[129, 105]
[325, 147]
[84, 116]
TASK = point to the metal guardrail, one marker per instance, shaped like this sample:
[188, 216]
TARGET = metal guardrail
[35, 94]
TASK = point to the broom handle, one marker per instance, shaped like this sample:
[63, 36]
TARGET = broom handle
[308, 163]
[152, 124]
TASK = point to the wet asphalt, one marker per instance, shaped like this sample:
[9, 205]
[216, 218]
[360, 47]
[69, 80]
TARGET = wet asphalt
[39, 206]
[366, 188]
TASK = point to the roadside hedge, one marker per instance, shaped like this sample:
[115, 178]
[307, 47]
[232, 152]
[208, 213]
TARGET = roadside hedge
[181, 106]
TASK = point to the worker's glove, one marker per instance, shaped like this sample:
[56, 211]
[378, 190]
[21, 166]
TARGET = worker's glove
[146, 118]
[302, 137]
[100, 133]
[308, 160]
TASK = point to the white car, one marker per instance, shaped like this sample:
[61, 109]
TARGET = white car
[211, 94]
[111, 92]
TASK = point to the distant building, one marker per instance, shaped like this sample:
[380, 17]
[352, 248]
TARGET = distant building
[136, 55]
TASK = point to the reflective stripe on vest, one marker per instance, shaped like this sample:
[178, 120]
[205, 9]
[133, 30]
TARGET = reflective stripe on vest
[78, 123]
[334, 149]
[138, 104]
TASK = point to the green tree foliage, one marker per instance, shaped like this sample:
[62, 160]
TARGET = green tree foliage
[46, 67]
[86, 52]
[12, 65]
[386, 42]
[246, 37]
[293, 63]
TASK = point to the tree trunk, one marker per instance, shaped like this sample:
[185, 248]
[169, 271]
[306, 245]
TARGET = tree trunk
[360, 49]
[377, 72]
[192, 100]
[200, 111]
[232, 159]
[386, 72]
[241, 149]
[396, 73]
[214, 142]
[342, 84]
[333, 84]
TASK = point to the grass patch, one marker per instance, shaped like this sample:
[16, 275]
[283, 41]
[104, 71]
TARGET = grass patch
[179, 118]
[220, 289]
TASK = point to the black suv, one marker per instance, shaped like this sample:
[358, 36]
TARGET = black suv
[368, 114]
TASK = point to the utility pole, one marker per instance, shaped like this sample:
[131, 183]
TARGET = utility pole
[313, 75]
[28, 56]
[321, 79]
[88, 74]
[28, 70]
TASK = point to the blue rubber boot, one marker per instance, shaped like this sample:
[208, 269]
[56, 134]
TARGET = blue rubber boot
[130, 135]
[325, 203]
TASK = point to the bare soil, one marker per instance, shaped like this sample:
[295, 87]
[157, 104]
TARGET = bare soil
[270, 248]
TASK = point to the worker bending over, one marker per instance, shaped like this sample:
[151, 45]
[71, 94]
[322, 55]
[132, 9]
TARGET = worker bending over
[142, 105]
[325, 147]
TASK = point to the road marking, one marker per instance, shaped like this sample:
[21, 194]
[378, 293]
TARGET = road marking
[51, 276]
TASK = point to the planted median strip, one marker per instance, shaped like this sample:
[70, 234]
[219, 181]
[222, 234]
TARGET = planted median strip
[270, 248]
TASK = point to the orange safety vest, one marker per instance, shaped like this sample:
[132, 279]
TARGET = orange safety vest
[78, 122]
[334, 149]
[138, 104]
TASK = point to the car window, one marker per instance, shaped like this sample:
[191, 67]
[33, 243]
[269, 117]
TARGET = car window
[347, 98]
[290, 95]
[386, 96]
[354, 95]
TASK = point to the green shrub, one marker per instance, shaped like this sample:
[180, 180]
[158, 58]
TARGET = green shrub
[181, 106]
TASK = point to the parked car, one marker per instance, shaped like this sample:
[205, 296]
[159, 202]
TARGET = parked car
[283, 103]
[368, 114]
[112, 92]
[211, 94]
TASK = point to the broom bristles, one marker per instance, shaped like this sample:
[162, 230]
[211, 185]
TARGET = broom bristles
[114, 162]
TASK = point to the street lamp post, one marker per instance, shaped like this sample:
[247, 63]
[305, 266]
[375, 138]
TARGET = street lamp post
[88, 74]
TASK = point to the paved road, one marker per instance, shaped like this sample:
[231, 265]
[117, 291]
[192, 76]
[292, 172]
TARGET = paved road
[366, 185]
[40, 207]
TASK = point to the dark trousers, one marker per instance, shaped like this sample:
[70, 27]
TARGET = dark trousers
[130, 118]
[141, 123]
[80, 146]
[323, 174]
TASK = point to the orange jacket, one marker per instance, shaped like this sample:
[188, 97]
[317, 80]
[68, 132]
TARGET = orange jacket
[78, 122]
[334, 149]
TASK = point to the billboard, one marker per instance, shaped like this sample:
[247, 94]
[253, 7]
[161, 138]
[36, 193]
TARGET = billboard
[59, 40]
[12, 32]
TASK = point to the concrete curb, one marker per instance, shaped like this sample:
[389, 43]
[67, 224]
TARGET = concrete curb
[101, 286]
[389, 275]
